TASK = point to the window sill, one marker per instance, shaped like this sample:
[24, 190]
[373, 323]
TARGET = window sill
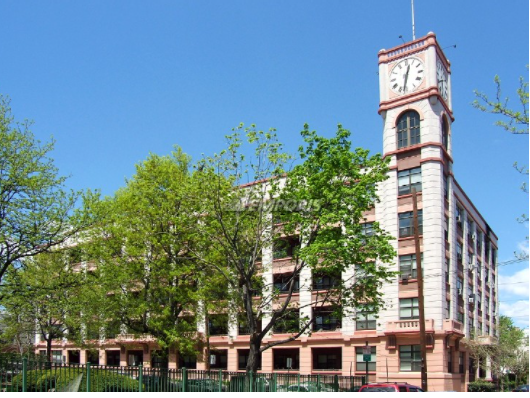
[408, 195]
[405, 238]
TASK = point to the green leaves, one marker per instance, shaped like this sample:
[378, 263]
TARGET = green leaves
[143, 244]
[36, 210]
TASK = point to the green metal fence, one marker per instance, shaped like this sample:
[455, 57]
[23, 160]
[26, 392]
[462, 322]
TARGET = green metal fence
[37, 376]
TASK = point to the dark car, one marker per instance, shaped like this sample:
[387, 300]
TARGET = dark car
[523, 388]
[390, 387]
[204, 385]
[155, 383]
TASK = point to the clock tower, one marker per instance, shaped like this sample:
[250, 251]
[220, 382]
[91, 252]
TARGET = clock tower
[415, 104]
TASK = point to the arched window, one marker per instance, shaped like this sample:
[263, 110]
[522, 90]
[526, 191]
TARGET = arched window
[445, 133]
[408, 129]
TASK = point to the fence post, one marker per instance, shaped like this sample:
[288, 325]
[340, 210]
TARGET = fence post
[251, 381]
[24, 374]
[336, 383]
[88, 377]
[140, 377]
[274, 381]
[220, 380]
[298, 378]
[318, 383]
[184, 380]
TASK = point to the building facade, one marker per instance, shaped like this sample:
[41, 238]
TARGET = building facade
[459, 252]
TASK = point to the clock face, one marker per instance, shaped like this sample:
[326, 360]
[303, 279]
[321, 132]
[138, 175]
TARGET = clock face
[441, 77]
[406, 76]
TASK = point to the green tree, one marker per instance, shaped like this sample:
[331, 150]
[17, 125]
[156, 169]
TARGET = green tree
[512, 121]
[311, 213]
[48, 296]
[507, 355]
[142, 250]
[36, 210]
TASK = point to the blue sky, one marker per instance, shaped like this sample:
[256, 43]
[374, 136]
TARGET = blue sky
[115, 80]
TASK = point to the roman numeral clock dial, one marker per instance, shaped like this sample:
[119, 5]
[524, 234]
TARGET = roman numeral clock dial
[441, 77]
[406, 76]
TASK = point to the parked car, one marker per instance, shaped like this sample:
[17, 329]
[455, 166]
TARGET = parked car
[157, 383]
[239, 383]
[306, 386]
[390, 387]
[523, 388]
[204, 385]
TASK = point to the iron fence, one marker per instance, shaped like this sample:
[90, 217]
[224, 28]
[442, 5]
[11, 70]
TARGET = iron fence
[23, 375]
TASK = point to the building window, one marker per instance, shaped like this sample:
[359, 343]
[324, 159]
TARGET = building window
[113, 358]
[242, 359]
[360, 364]
[408, 308]
[159, 359]
[459, 216]
[218, 359]
[286, 358]
[288, 323]
[459, 285]
[470, 228]
[406, 223]
[135, 358]
[243, 327]
[218, 325]
[362, 271]
[325, 319]
[470, 258]
[74, 356]
[282, 283]
[57, 356]
[448, 309]
[461, 362]
[322, 281]
[459, 254]
[445, 133]
[187, 361]
[447, 270]
[408, 129]
[460, 317]
[408, 179]
[284, 248]
[450, 360]
[479, 270]
[367, 229]
[365, 320]
[327, 358]
[408, 265]
[409, 358]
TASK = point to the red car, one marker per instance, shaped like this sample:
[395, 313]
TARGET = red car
[390, 387]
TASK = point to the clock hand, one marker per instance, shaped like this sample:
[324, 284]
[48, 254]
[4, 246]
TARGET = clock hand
[406, 78]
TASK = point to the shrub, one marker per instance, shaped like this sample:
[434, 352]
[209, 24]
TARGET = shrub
[481, 386]
[59, 378]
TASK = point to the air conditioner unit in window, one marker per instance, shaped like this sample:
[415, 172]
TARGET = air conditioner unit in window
[471, 300]
[458, 218]
[460, 292]
[405, 277]
[474, 237]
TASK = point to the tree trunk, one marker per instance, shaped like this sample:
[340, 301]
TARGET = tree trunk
[253, 356]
